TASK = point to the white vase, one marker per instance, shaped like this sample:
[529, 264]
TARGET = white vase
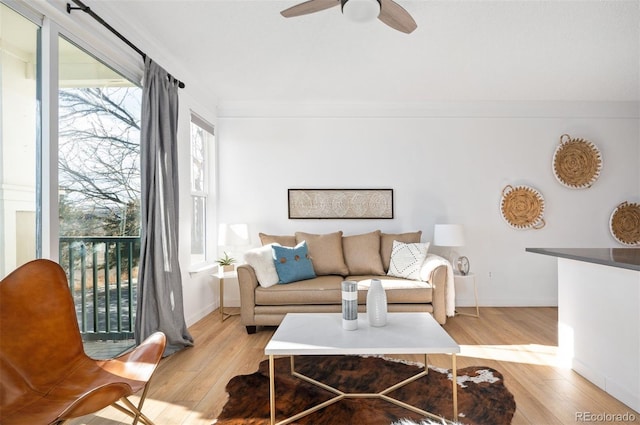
[376, 304]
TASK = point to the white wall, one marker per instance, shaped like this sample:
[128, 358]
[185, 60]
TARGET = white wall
[447, 163]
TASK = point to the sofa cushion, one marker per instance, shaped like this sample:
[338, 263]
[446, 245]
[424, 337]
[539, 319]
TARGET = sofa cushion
[321, 290]
[362, 253]
[325, 252]
[398, 291]
[407, 259]
[261, 259]
[292, 263]
[386, 244]
[284, 240]
[392, 284]
[326, 290]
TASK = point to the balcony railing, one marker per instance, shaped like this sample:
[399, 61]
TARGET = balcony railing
[103, 276]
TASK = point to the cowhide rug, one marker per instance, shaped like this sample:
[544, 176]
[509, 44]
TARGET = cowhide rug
[482, 397]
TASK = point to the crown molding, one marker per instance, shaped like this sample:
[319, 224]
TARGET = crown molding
[483, 109]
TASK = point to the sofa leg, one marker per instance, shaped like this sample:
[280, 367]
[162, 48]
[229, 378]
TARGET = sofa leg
[251, 329]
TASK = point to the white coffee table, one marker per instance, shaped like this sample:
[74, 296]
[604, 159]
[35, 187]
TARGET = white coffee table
[304, 334]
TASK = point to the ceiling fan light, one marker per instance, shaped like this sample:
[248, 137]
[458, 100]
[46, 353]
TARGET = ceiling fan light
[361, 10]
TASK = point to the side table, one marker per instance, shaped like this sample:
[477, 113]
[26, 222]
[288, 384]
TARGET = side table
[464, 280]
[222, 277]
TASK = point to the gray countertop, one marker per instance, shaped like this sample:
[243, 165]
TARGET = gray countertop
[625, 258]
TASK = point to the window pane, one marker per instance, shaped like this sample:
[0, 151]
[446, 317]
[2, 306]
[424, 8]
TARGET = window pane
[198, 229]
[99, 148]
[198, 136]
[18, 139]
[99, 191]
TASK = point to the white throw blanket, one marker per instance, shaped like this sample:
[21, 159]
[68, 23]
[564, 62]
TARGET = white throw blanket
[431, 263]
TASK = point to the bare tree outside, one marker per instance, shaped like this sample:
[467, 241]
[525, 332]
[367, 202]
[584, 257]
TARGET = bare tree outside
[99, 161]
[99, 198]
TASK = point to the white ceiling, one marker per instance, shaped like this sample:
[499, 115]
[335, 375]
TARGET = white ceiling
[245, 51]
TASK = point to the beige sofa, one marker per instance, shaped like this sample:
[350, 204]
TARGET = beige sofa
[336, 258]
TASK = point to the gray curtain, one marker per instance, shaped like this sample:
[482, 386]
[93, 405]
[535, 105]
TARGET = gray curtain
[160, 304]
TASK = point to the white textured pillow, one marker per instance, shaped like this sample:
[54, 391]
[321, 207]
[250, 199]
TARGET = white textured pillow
[407, 259]
[261, 259]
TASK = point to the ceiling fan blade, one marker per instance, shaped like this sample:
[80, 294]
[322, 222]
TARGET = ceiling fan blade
[394, 15]
[310, 6]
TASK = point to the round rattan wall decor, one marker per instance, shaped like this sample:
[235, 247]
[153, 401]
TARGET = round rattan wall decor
[625, 223]
[522, 207]
[576, 162]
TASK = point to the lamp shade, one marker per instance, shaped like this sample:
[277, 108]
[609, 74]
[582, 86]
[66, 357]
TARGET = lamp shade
[361, 10]
[236, 234]
[448, 235]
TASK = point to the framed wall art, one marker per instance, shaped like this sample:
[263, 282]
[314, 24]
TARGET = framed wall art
[341, 203]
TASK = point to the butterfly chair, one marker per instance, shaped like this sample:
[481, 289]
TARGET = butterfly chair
[45, 376]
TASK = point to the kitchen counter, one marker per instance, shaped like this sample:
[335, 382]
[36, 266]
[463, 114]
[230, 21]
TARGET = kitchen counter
[599, 316]
[625, 258]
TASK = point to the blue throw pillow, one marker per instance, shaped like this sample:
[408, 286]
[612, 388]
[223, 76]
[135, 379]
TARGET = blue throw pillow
[293, 264]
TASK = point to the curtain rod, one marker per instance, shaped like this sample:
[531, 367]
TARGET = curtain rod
[87, 9]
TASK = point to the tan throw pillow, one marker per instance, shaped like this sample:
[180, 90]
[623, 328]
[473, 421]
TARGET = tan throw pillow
[282, 240]
[386, 244]
[325, 252]
[362, 253]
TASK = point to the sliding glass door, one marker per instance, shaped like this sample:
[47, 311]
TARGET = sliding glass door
[70, 172]
[99, 191]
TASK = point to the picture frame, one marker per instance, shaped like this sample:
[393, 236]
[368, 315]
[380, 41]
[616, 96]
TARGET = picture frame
[340, 203]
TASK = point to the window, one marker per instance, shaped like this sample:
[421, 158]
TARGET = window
[202, 140]
[19, 124]
[99, 148]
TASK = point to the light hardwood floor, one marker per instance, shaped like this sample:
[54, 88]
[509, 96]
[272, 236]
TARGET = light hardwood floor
[189, 386]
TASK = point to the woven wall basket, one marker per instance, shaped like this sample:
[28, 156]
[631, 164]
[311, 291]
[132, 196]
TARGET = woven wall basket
[522, 207]
[625, 223]
[576, 162]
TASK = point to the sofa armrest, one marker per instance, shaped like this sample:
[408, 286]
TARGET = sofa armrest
[248, 282]
[434, 270]
[438, 280]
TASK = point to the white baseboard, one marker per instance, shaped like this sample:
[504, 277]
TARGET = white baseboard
[508, 302]
[200, 314]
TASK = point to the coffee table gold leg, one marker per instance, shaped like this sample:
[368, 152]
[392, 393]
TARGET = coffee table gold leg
[455, 387]
[272, 390]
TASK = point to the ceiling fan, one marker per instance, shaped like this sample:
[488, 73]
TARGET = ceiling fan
[388, 11]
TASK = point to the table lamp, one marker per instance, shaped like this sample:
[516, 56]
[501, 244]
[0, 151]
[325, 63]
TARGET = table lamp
[233, 236]
[452, 235]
